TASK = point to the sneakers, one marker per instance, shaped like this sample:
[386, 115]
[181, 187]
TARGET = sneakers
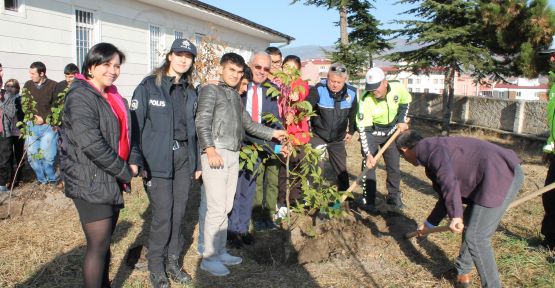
[281, 213]
[4, 189]
[228, 259]
[396, 202]
[214, 267]
[159, 280]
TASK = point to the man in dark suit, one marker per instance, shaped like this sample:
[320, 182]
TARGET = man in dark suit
[257, 103]
[480, 174]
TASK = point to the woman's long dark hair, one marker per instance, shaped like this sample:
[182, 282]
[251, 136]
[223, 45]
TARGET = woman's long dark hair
[165, 67]
[99, 54]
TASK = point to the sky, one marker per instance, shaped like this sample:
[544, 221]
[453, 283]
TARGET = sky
[309, 25]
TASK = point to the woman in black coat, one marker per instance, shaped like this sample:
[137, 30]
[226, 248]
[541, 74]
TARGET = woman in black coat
[96, 122]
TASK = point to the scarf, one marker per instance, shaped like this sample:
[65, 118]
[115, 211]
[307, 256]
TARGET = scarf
[115, 101]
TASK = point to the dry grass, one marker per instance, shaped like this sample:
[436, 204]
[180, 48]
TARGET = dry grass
[44, 247]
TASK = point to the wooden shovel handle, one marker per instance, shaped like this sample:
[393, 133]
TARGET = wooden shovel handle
[378, 155]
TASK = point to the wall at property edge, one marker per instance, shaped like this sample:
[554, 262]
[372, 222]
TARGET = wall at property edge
[517, 116]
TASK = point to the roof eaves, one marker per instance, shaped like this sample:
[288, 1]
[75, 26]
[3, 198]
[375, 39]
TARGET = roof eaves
[237, 18]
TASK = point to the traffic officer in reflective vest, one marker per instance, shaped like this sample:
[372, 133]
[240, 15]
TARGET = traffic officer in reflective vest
[383, 108]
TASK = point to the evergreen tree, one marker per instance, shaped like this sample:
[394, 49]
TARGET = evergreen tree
[365, 39]
[485, 38]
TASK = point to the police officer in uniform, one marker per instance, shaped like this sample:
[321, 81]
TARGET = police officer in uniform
[163, 108]
[383, 108]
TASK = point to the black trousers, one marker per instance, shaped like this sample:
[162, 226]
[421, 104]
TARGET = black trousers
[295, 191]
[18, 149]
[168, 200]
[338, 160]
[6, 158]
[548, 200]
[371, 144]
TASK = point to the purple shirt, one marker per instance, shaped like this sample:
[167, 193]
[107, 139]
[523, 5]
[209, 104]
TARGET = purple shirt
[465, 170]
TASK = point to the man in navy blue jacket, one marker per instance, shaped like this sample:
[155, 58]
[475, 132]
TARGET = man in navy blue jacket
[257, 103]
[480, 174]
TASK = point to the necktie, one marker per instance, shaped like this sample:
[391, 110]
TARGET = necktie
[254, 110]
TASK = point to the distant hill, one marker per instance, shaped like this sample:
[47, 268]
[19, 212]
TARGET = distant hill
[316, 51]
[307, 52]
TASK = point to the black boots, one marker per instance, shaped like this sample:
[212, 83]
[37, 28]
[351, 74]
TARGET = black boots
[175, 272]
[159, 280]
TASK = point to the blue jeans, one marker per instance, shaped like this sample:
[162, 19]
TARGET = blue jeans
[481, 222]
[43, 141]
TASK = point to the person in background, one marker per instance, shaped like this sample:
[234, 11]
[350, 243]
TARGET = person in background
[69, 73]
[12, 90]
[302, 136]
[2, 91]
[275, 61]
[10, 114]
[163, 111]
[42, 143]
[221, 121]
[548, 198]
[97, 133]
[464, 170]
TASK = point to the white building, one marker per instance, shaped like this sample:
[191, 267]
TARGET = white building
[58, 32]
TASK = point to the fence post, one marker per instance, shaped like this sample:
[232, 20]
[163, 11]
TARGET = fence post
[519, 117]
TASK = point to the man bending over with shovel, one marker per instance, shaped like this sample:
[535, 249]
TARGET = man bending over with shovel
[480, 174]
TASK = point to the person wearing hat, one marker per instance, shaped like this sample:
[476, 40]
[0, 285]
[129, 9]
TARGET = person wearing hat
[162, 111]
[383, 108]
[335, 103]
[548, 198]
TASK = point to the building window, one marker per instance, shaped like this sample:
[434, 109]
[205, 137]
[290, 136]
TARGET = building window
[12, 5]
[410, 89]
[198, 38]
[410, 81]
[155, 43]
[178, 34]
[426, 90]
[416, 89]
[418, 81]
[84, 34]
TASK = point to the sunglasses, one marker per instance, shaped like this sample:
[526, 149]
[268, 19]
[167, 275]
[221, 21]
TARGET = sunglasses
[338, 69]
[259, 67]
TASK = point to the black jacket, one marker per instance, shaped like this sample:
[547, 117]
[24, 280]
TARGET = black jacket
[152, 122]
[334, 111]
[93, 169]
[221, 119]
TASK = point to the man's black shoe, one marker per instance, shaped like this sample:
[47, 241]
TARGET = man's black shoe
[396, 202]
[247, 238]
[271, 225]
[234, 240]
[174, 270]
[260, 225]
[370, 209]
[159, 280]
